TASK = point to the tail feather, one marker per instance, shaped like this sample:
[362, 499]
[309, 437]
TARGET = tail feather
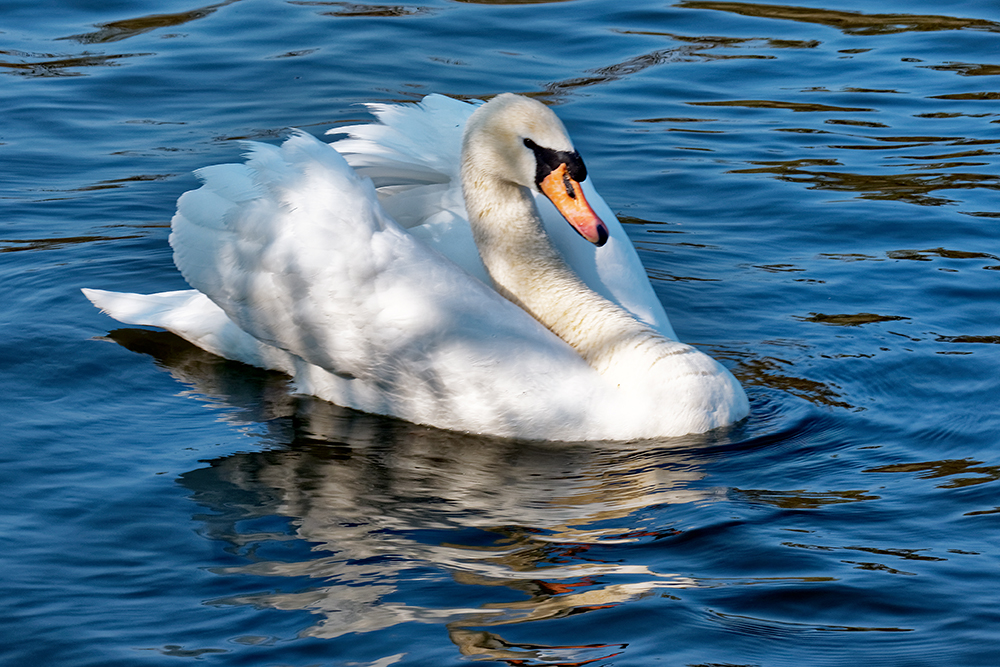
[195, 318]
[144, 309]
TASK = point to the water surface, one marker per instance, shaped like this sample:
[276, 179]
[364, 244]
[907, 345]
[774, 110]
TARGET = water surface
[813, 189]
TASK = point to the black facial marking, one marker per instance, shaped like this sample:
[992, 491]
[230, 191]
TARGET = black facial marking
[547, 160]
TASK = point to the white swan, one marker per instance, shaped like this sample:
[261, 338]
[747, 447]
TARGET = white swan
[364, 282]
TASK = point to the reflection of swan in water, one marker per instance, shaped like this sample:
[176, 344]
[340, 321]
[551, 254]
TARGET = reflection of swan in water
[375, 520]
[383, 509]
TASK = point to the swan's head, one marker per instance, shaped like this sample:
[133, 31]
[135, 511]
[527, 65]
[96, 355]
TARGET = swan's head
[519, 140]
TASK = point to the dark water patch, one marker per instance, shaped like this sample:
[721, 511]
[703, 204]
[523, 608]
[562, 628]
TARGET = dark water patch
[16, 245]
[256, 134]
[851, 257]
[684, 244]
[695, 51]
[177, 651]
[968, 96]
[889, 91]
[855, 123]
[693, 131]
[942, 114]
[149, 121]
[114, 183]
[656, 274]
[802, 499]
[878, 567]
[775, 373]
[851, 23]
[650, 226]
[995, 510]
[850, 320]
[53, 65]
[775, 104]
[977, 142]
[909, 188]
[943, 253]
[917, 140]
[852, 89]
[674, 120]
[988, 340]
[969, 472]
[117, 31]
[707, 41]
[296, 54]
[801, 130]
[905, 554]
[352, 9]
[947, 166]
[847, 147]
[951, 156]
[967, 69]
[780, 268]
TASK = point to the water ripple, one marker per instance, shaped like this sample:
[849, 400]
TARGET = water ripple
[116, 31]
[851, 23]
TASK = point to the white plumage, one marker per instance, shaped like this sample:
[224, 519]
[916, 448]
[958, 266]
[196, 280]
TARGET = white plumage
[362, 280]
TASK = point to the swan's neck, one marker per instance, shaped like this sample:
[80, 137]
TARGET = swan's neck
[528, 270]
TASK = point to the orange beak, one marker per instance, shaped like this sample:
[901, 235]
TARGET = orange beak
[567, 196]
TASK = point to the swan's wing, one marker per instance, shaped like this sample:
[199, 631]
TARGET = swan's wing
[421, 140]
[294, 247]
[413, 154]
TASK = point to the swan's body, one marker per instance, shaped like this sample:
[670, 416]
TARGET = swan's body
[298, 265]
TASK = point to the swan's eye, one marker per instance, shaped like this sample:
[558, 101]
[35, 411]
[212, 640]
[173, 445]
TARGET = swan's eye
[547, 160]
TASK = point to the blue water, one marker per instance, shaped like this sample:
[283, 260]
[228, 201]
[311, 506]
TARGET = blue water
[813, 189]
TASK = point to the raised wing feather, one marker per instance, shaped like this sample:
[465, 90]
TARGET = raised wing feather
[427, 136]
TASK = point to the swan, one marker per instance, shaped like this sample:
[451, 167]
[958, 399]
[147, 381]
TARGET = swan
[422, 267]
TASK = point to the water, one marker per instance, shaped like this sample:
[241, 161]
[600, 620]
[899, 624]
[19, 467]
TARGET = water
[814, 193]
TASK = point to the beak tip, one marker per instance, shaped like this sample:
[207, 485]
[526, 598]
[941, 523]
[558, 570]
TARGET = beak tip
[602, 235]
[567, 196]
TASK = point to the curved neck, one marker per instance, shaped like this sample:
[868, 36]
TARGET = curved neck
[527, 269]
